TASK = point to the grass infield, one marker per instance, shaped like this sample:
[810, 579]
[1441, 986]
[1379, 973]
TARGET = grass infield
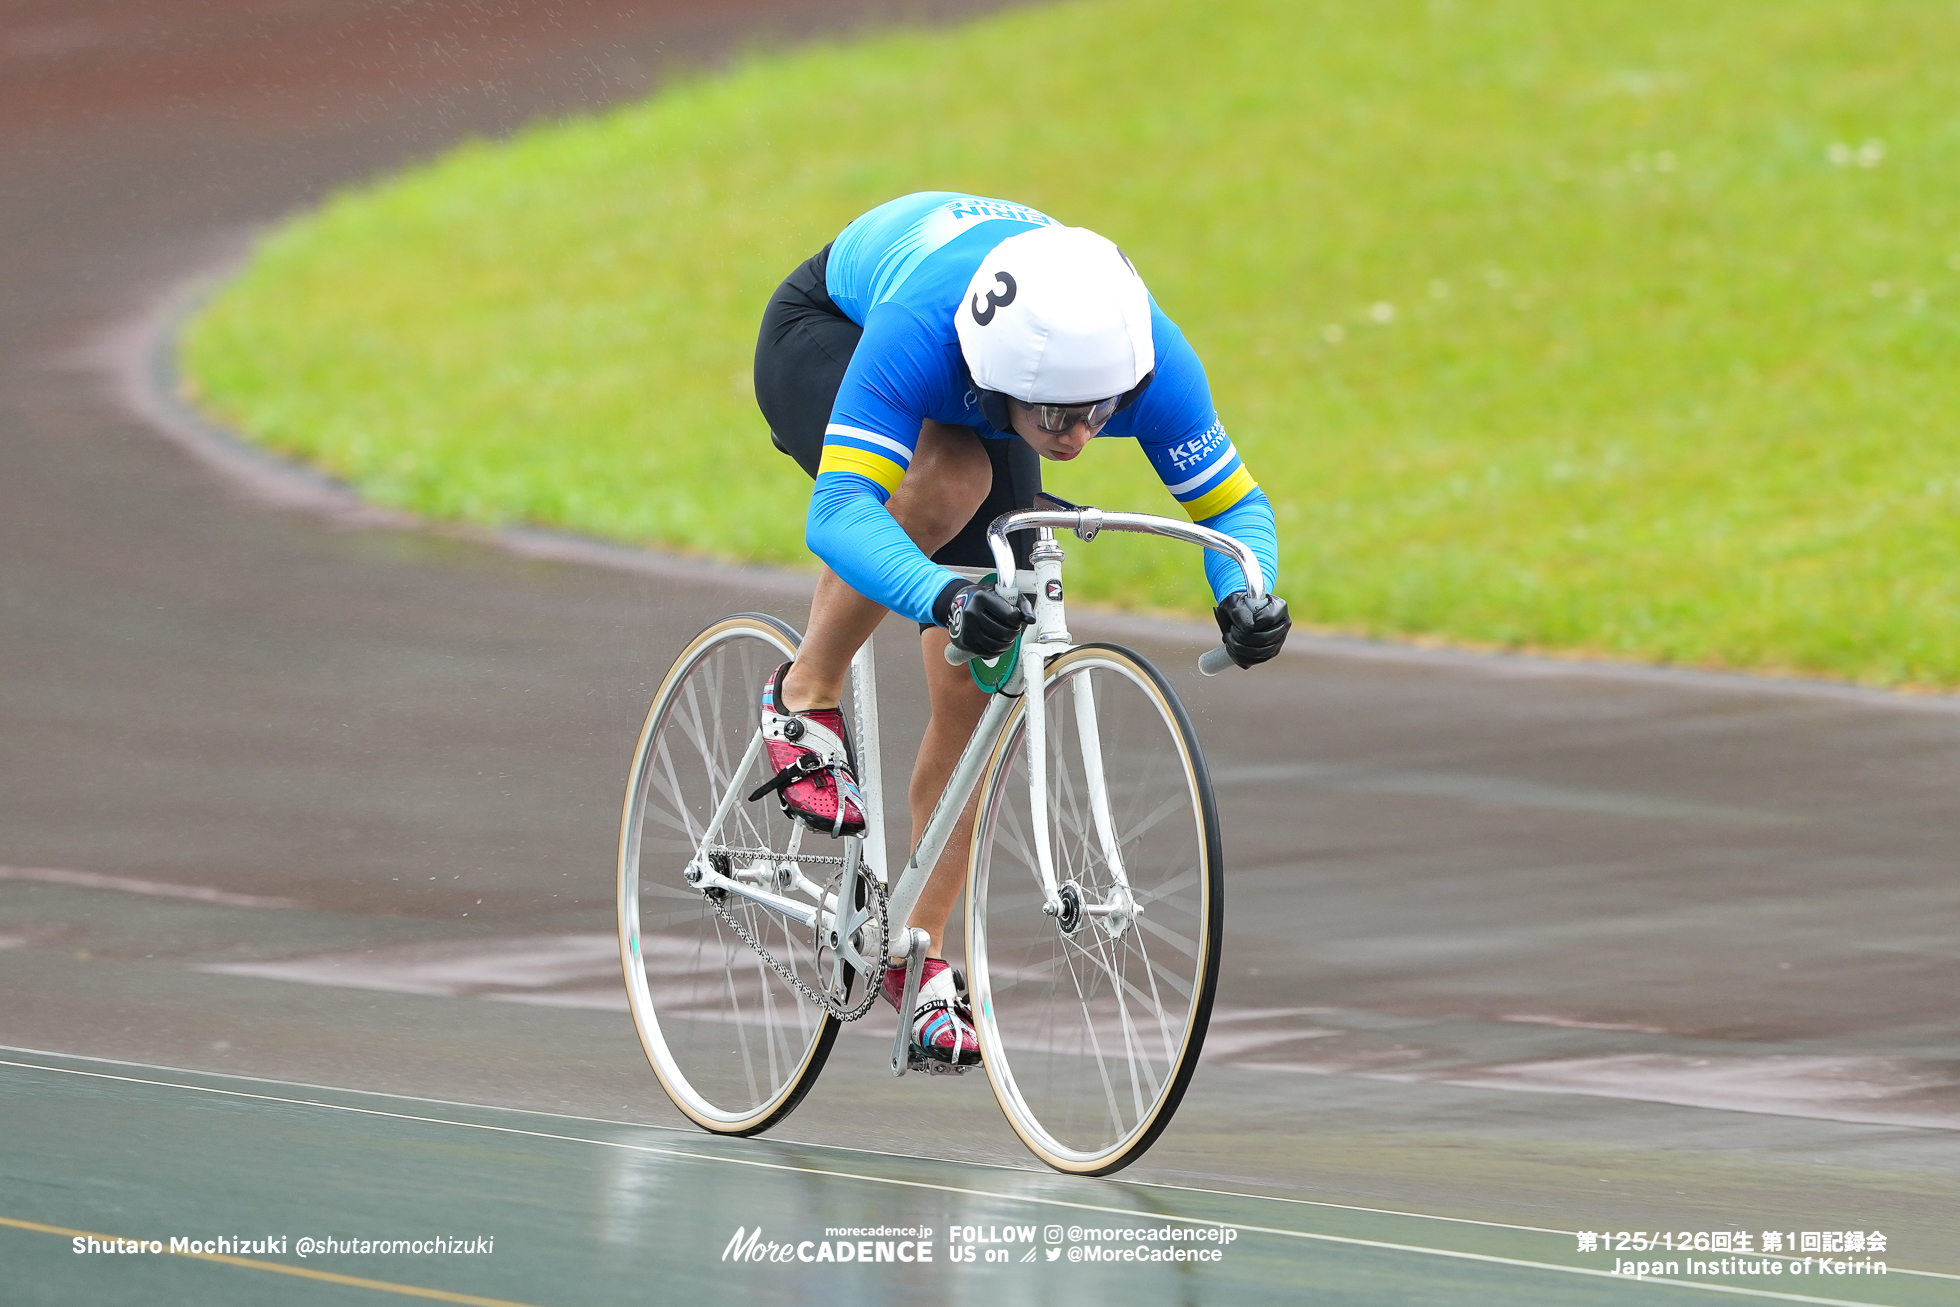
[1620, 328]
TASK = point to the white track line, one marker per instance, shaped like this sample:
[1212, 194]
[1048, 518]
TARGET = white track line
[1347, 1240]
[692, 1132]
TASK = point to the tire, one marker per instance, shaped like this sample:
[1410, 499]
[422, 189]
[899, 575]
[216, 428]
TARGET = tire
[733, 1044]
[1090, 1030]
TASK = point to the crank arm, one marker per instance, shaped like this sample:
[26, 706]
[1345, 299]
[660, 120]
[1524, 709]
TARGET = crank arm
[917, 942]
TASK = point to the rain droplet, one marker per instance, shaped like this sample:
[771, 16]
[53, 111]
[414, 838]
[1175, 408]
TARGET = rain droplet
[1382, 311]
[1333, 333]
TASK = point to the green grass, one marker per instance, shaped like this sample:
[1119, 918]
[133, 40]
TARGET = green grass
[1595, 327]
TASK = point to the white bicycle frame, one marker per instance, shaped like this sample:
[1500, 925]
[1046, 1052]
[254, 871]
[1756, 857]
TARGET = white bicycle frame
[1048, 638]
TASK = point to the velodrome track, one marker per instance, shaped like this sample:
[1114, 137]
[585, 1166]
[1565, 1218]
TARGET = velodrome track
[306, 826]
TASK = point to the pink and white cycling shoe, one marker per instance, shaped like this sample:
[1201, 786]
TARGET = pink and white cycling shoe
[812, 757]
[942, 1024]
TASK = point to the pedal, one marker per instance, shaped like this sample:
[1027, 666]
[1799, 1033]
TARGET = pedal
[932, 1066]
[906, 1055]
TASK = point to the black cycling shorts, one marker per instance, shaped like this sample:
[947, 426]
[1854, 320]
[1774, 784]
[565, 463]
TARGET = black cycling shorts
[800, 357]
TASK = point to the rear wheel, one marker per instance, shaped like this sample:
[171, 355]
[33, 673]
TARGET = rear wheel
[734, 1044]
[1091, 1019]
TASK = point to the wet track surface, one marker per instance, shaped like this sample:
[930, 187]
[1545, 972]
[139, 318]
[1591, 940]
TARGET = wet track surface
[310, 799]
[616, 1207]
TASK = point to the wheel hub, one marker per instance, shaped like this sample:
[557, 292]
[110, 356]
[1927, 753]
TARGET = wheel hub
[1119, 913]
[1070, 917]
[722, 865]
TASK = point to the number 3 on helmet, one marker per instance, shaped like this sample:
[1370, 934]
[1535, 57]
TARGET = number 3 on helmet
[1056, 315]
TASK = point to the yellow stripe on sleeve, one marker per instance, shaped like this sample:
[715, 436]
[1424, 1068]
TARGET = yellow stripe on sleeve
[844, 458]
[1222, 496]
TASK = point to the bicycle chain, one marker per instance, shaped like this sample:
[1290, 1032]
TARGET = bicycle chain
[872, 984]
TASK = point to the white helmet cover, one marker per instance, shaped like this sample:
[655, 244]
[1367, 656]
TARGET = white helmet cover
[1056, 316]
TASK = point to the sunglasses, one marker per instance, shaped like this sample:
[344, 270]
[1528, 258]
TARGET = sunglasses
[1060, 419]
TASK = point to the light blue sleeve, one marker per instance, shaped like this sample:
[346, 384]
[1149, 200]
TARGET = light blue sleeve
[1178, 430]
[1250, 522]
[868, 446]
[850, 530]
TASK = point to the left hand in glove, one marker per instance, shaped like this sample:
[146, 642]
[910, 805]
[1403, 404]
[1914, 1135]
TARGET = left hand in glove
[1252, 632]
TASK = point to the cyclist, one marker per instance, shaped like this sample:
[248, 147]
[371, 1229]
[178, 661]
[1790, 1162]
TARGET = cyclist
[919, 367]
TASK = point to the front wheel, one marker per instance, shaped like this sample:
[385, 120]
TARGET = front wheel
[1091, 1016]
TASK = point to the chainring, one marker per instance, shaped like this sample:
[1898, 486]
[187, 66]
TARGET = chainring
[841, 949]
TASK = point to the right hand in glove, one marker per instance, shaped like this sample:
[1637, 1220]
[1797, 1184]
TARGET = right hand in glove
[979, 620]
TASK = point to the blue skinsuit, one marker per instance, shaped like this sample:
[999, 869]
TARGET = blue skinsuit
[901, 272]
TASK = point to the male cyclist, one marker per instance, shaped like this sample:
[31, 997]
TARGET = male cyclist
[918, 368]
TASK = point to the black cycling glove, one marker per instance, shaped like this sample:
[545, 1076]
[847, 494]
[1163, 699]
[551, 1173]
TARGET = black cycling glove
[978, 619]
[1253, 632]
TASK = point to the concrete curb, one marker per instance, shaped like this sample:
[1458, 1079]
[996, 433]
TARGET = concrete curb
[138, 357]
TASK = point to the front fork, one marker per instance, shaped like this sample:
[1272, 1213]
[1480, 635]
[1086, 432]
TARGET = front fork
[1049, 637]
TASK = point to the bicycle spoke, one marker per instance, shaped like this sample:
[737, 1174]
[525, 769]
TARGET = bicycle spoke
[1120, 983]
[1182, 943]
[1176, 803]
[1115, 1115]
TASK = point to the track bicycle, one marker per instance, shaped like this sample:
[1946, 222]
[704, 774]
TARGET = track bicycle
[1094, 895]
